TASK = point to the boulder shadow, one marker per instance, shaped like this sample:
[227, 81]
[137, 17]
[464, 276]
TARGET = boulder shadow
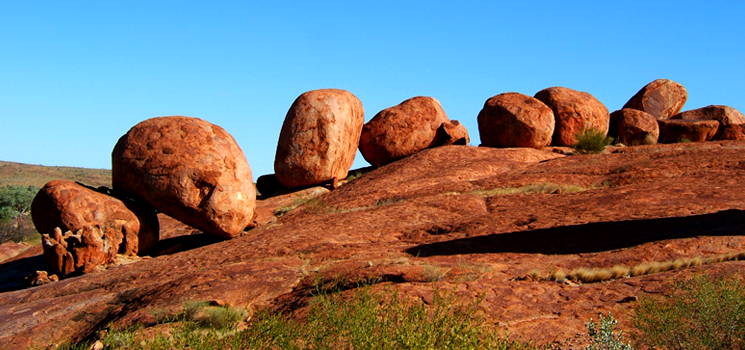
[592, 237]
[13, 273]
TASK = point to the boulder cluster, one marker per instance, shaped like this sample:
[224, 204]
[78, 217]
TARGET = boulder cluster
[195, 172]
[556, 115]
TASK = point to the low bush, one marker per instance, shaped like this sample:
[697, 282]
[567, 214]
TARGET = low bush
[604, 336]
[591, 141]
[701, 313]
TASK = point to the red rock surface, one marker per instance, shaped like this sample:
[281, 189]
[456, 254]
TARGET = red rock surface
[189, 169]
[573, 111]
[423, 223]
[633, 127]
[512, 119]
[725, 115]
[319, 138]
[72, 206]
[661, 98]
[9, 250]
[680, 130]
[403, 130]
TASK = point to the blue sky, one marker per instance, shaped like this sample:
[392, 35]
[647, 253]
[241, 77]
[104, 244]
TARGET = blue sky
[76, 75]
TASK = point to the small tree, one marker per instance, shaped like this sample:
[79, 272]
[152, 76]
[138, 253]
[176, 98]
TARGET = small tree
[17, 198]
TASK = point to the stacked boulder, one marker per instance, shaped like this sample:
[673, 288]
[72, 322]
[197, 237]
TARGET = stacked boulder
[185, 167]
[409, 127]
[319, 138]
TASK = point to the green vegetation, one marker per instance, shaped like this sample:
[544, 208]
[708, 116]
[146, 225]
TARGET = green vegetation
[591, 141]
[19, 174]
[605, 337]
[365, 320]
[544, 187]
[15, 222]
[701, 313]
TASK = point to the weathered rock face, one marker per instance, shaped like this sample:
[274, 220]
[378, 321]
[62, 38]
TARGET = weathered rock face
[633, 127]
[72, 206]
[725, 115]
[403, 130]
[455, 133]
[661, 98]
[319, 138]
[677, 130]
[515, 120]
[573, 110]
[733, 132]
[80, 252]
[190, 169]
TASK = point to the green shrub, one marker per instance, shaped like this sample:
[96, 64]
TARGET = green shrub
[591, 141]
[604, 338]
[207, 316]
[701, 313]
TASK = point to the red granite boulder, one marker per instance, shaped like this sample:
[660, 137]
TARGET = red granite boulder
[683, 130]
[633, 127]
[402, 130]
[72, 206]
[725, 115]
[661, 98]
[512, 119]
[190, 169]
[454, 133]
[82, 251]
[573, 111]
[319, 138]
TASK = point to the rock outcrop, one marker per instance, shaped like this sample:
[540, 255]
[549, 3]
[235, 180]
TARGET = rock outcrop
[409, 127]
[661, 98]
[512, 119]
[71, 253]
[190, 169]
[573, 111]
[71, 206]
[633, 127]
[682, 130]
[319, 138]
[725, 115]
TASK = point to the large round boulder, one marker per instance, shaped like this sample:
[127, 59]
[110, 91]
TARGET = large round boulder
[574, 111]
[402, 130]
[725, 115]
[190, 169]
[72, 206]
[633, 127]
[661, 98]
[512, 119]
[319, 138]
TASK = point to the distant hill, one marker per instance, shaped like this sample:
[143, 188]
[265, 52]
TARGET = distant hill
[38, 175]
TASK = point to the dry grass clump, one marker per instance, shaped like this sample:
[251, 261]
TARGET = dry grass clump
[544, 187]
[592, 275]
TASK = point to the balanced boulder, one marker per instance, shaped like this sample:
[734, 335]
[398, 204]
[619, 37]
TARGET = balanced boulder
[681, 130]
[71, 206]
[512, 119]
[633, 127]
[190, 169]
[319, 138]
[409, 127]
[661, 98]
[725, 115]
[574, 111]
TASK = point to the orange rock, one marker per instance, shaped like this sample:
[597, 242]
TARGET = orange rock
[677, 130]
[574, 110]
[661, 98]
[725, 115]
[402, 130]
[515, 120]
[190, 169]
[455, 134]
[319, 138]
[72, 206]
[633, 127]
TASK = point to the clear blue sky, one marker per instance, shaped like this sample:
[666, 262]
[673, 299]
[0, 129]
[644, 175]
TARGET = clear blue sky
[76, 75]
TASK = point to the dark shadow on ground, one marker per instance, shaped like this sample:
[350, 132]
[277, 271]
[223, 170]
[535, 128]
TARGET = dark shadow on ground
[13, 273]
[593, 237]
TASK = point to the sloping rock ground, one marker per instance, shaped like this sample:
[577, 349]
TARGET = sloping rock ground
[416, 224]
